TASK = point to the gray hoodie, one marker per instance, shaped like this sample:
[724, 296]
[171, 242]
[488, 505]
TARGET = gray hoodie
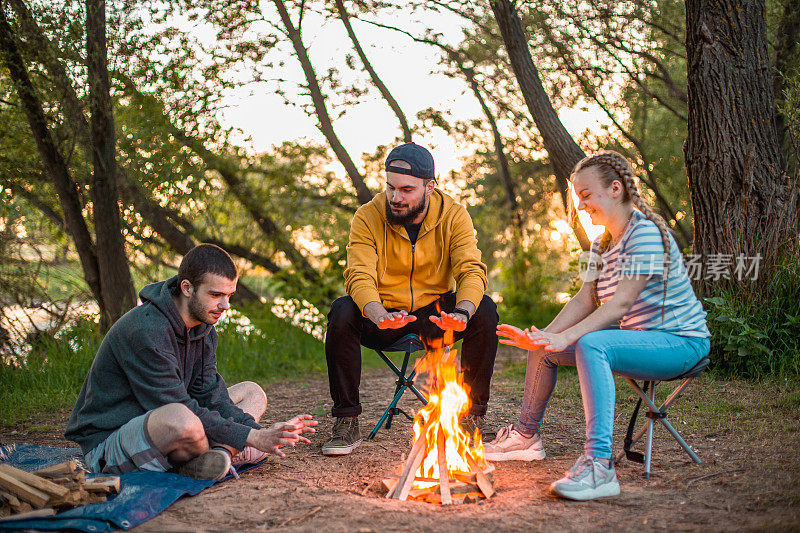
[148, 359]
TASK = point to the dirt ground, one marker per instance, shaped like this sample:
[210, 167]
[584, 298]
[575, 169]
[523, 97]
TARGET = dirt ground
[745, 483]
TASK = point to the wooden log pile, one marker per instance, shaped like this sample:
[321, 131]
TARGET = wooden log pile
[462, 488]
[46, 491]
[467, 487]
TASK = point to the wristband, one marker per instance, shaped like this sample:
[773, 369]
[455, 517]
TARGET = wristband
[461, 312]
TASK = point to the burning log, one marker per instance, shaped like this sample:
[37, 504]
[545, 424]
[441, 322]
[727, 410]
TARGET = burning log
[444, 478]
[442, 467]
[403, 485]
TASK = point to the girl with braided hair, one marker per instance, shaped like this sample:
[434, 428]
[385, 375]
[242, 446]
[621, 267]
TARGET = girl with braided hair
[636, 278]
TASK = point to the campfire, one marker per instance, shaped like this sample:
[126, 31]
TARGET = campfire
[441, 467]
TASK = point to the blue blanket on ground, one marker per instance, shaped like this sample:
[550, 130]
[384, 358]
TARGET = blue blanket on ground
[142, 494]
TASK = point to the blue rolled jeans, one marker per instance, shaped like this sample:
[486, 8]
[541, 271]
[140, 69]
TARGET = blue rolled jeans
[648, 355]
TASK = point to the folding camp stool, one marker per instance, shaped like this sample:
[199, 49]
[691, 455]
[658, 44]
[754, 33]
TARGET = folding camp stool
[410, 344]
[657, 413]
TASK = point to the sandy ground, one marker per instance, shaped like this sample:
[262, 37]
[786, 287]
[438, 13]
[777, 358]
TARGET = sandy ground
[743, 483]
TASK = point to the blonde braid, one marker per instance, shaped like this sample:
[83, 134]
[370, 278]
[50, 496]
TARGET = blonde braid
[604, 243]
[623, 171]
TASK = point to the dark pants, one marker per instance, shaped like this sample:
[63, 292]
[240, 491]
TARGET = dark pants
[348, 330]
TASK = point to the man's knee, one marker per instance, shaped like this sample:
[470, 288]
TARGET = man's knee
[249, 392]
[175, 422]
[343, 311]
[486, 314]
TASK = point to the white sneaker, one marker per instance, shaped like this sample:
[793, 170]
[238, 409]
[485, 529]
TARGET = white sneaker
[588, 478]
[511, 445]
[248, 455]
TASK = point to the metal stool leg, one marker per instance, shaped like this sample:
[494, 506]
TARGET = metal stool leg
[387, 413]
[649, 449]
[401, 386]
[660, 413]
[680, 440]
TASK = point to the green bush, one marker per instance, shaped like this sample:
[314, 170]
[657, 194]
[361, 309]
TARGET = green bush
[49, 376]
[259, 346]
[757, 338]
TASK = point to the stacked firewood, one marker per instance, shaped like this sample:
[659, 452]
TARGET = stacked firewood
[463, 487]
[43, 492]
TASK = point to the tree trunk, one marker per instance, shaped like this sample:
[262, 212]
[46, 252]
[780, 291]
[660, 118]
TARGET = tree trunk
[115, 277]
[46, 53]
[376, 80]
[562, 150]
[325, 124]
[155, 216]
[54, 164]
[741, 197]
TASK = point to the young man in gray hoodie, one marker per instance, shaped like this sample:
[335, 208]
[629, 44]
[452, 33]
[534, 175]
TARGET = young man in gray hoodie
[153, 399]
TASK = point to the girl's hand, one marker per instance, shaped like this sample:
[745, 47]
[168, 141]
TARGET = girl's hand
[513, 336]
[552, 342]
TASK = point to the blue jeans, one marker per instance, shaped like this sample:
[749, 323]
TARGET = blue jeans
[649, 355]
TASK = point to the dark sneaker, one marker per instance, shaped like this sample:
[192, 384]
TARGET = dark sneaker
[588, 479]
[470, 423]
[212, 465]
[346, 437]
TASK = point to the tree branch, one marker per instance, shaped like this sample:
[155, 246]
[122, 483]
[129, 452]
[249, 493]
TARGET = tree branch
[376, 80]
[325, 123]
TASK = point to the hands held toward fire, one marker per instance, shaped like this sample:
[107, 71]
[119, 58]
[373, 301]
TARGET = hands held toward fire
[552, 342]
[287, 433]
[454, 321]
[395, 320]
[532, 339]
[513, 336]
[387, 319]
[457, 319]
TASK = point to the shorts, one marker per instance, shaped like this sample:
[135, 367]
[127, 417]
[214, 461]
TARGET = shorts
[127, 449]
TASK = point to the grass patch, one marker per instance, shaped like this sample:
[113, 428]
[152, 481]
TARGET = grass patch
[43, 428]
[50, 376]
[256, 345]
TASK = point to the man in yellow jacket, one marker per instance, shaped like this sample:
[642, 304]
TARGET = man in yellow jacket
[411, 249]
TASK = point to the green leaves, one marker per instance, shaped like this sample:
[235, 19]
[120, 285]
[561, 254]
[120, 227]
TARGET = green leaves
[756, 341]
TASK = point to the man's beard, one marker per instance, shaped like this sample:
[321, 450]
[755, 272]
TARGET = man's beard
[198, 312]
[408, 218]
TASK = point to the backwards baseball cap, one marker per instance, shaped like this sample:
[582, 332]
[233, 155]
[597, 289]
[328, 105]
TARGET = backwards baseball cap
[419, 158]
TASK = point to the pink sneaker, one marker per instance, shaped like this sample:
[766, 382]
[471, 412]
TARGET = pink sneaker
[248, 455]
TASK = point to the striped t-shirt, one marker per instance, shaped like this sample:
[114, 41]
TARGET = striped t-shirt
[641, 252]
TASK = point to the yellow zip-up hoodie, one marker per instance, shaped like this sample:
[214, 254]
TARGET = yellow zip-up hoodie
[383, 266]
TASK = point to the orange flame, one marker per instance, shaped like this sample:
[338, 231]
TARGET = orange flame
[448, 400]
